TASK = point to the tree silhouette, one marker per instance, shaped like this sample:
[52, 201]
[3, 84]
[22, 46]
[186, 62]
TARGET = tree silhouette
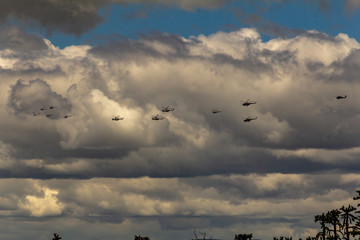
[348, 218]
[282, 238]
[203, 235]
[141, 238]
[56, 237]
[333, 219]
[357, 197]
[323, 220]
[356, 227]
[243, 236]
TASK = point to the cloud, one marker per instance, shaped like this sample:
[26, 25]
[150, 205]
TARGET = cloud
[352, 5]
[13, 38]
[42, 206]
[135, 78]
[194, 168]
[34, 96]
[77, 17]
[69, 17]
[161, 207]
[254, 14]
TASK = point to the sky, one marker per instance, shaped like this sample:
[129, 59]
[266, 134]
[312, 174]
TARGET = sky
[85, 176]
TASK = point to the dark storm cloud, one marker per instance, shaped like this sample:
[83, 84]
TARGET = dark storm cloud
[72, 17]
[76, 17]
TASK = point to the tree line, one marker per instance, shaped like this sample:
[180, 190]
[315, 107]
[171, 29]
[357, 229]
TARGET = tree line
[342, 223]
[336, 224]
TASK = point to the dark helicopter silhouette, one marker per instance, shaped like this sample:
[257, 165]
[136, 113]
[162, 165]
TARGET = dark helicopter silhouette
[167, 109]
[117, 118]
[216, 110]
[248, 119]
[52, 107]
[157, 117]
[48, 115]
[67, 116]
[247, 103]
[341, 97]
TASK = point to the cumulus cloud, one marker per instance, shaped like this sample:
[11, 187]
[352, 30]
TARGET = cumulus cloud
[135, 78]
[42, 206]
[14, 38]
[217, 203]
[298, 158]
[37, 97]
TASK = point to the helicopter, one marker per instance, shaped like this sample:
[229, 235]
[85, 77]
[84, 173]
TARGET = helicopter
[247, 103]
[167, 109]
[67, 116]
[117, 118]
[248, 119]
[157, 117]
[216, 110]
[341, 97]
[42, 109]
[52, 107]
[36, 113]
[48, 115]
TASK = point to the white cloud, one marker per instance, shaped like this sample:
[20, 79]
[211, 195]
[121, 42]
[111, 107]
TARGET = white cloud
[199, 166]
[328, 156]
[236, 44]
[177, 197]
[134, 79]
[43, 206]
[316, 46]
[161, 206]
